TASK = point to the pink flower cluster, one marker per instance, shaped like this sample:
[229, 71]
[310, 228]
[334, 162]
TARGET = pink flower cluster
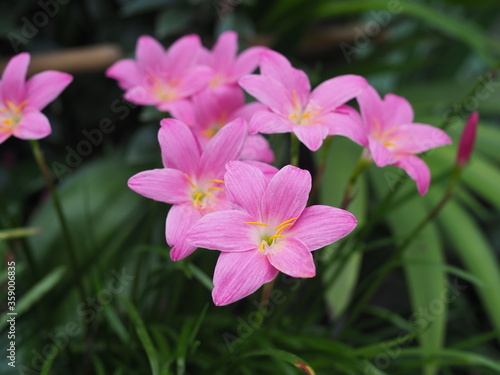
[224, 194]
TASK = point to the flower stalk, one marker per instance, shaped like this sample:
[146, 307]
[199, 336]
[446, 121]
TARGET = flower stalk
[42, 164]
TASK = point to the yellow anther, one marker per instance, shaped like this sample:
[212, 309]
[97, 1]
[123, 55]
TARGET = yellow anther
[262, 245]
[285, 222]
[283, 228]
[190, 181]
[255, 223]
[8, 121]
[275, 236]
[219, 181]
[216, 188]
[209, 194]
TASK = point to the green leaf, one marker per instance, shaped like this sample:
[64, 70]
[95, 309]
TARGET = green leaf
[172, 21]
[291, 358]
[143, 335]
[459, 29]
[36, 293]
[467, 240]
[339, 292]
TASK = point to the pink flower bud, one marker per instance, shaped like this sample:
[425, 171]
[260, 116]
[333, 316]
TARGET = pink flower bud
[467, 140]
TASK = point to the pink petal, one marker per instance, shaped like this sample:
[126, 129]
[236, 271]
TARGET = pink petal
[245, 186]
[276, 66]
[149, 53]
[291, 256]
[417, 170]
[238, 275]
[184, 111]
[163, 185]
[417, 138]
[13, 78]
[223, 230]
[248, 61]
[213, 106]
[256, 147]
[346, 125]
[248, 110]
[319, 226]
[224, 52]
[180, 219]
[333, 93]
[179, 148]
[44, 87]
[140, 95]
[269, 123]
[467, 139]
[398, 111]
[268, 170]
[33, 125]
[311, 135]
[194, 81]
[286, 196]
[372, 109]
[380, 153]
[126, 72]
[225, 146]
[4, 135]
[267, 91]
[182, 55]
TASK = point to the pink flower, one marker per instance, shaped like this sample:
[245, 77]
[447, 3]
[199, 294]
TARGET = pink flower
[21, 101]
[209, 111]
[467, 140]
[286, 92]
[270, 230]
[162, 78]
[192, 180]
[227, 67]
[386, 128]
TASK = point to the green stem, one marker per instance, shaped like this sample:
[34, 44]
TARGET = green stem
[42, 164]
[294, 150]
[362, 164]
[321, 168]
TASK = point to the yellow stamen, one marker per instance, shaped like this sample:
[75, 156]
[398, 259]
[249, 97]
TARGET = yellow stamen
[275, 236]
[286, 222]
[190, 181]
[209, 194]
[255, 223]
[8, 121]
[261, 246]
[216, 188]
[283, 228]
[219, 181]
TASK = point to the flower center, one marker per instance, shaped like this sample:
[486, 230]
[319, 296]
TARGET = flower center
[11, 115]
[385, 138]
[300, 116]
[205, 195]
[267, 238]
[217, 80]
[213, 128]
[165, 91]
